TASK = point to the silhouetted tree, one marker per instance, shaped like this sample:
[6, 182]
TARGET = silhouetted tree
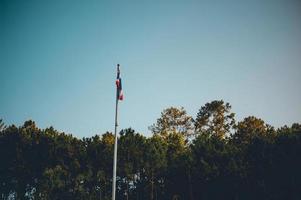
[255, 162]
[173, 120]
[215, 119]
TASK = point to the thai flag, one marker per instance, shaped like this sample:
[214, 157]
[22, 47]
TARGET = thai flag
[119, 85]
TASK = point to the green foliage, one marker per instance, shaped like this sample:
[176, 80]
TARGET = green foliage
[173, 120]
[250, 128]
[215, 119]
[255, 162]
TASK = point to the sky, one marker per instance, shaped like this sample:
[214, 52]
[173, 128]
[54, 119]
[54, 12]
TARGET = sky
[58, 61]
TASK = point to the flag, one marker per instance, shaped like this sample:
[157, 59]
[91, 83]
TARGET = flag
[119, 85]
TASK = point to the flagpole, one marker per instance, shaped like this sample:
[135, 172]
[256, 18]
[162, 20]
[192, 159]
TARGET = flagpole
[115, 146]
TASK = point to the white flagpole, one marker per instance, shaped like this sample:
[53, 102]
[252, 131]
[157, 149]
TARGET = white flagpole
[115, 145]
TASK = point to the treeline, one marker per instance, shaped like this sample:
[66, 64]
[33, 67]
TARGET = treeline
[206, 158]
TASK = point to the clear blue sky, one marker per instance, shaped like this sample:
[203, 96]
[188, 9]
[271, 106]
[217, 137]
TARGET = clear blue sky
[58, 60]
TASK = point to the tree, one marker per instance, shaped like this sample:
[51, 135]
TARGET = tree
[178, 171]
[250, 128]
[106, 163]
[130, 161]
[155, 161]
[295, 128]
[173, 120]
[215, 119]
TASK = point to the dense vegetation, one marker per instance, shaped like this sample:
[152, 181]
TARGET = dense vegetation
[209, 157]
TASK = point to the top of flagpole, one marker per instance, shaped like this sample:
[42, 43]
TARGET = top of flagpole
[118, 68]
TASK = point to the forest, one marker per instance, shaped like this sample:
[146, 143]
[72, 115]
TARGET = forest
[208, 157]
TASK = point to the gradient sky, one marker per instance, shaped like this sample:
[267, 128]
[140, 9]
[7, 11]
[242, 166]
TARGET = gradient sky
[58, 61]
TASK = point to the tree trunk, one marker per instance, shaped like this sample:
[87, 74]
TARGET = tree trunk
[152, 187]
[190, 185]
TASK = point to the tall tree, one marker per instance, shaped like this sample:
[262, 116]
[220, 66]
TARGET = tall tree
[173, 120]
[215, 119]
[130, 159]
[177, 172]
[155, 161]
[250, 128]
